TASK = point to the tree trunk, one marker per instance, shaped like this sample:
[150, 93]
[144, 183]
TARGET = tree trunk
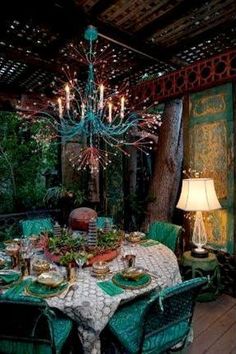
[168, 164]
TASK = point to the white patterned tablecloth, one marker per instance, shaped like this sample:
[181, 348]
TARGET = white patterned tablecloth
[92, 308]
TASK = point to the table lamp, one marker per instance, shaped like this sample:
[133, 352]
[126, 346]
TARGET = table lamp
[198, 194]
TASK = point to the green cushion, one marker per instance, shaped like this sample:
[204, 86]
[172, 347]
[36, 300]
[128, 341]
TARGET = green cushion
[62, 327]
[127, 323]
[36, 226]
[168, 320]
[154, 344]
[165, 233]
[14, 347]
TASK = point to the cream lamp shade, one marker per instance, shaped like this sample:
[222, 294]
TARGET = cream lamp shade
[198, 194]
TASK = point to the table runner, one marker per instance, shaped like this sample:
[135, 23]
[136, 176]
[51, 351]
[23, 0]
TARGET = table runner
[92, 308]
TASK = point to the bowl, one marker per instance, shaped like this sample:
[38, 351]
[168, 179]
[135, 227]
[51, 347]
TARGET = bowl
[132, 273]
[100, 267]
[40, 265]
[136, 236]
[51, 279]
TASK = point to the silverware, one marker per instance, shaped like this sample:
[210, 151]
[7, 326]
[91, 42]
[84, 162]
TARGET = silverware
[154, 275]
[72, 286]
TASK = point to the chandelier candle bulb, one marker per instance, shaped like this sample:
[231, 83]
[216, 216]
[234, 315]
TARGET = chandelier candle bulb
[109, 112]
[101, 88]
[122, 107]
[67, 89]
[82, 110]
[60, 107]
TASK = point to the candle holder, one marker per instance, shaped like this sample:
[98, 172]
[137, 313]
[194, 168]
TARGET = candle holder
[13, 251]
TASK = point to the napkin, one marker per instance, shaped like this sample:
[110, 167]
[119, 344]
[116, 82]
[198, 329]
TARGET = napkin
[109, 288]
[150, 243]
[8, 278]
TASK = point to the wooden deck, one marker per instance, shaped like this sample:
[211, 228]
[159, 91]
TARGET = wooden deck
[215, 327]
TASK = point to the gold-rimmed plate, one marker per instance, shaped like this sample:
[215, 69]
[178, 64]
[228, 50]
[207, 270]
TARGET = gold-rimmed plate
[124, 283]
[44, 291]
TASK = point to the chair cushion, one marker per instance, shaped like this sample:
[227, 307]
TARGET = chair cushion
[14, 347]
[62, 327]
[165, 233]
[36, 226]
[126, 324]
[167, 337]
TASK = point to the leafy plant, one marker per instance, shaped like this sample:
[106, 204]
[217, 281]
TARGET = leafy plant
[54, 194]
[65, 243]
[23, 162]
[70, 257]
[109, 239]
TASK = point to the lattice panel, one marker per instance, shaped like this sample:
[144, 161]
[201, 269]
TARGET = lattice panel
[29, 35]
[39, 79]
[203, 74]
[10, 70]
[209, 47]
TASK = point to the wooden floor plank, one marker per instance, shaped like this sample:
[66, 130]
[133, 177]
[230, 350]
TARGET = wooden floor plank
[214, 327]
[226, 343]
[207, 338]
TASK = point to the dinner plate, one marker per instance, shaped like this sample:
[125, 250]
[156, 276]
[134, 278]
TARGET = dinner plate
[124, 283]
[43, 291]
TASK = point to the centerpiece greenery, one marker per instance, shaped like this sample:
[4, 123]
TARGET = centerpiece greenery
[68, 248]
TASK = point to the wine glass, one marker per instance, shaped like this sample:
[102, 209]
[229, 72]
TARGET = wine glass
[80, 261]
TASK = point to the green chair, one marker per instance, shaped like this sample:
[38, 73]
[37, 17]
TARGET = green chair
[166, 233]
[36, 226]
[31, 327]
[158, 323]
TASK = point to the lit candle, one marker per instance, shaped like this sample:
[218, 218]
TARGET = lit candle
[60, 107]
[122, 107]
[101, 96]
[109, 112]
[82, 110]
[67, 89]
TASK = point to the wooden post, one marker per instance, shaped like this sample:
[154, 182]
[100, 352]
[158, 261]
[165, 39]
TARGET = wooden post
[164, 185]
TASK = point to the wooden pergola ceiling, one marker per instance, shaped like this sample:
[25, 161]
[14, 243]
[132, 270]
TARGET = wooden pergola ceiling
[35, 37]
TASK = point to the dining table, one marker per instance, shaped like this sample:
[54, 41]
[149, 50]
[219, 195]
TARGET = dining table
[91, 307]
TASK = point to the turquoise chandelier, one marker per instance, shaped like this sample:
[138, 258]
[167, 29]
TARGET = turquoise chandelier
[98, 117]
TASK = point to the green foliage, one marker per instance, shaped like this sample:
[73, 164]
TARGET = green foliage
[9, 233]
[70, 257]
[114, 181]
[65, 243]
[138, 207]
[54, 194]
[24, 159]
[109, 239]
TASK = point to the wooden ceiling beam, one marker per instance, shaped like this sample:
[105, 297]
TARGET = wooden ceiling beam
[100, 7]
[166, 19]
[194, 40]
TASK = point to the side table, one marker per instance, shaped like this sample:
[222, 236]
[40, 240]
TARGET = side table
[192, 267]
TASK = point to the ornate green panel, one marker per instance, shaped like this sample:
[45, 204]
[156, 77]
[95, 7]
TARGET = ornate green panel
[211, 150]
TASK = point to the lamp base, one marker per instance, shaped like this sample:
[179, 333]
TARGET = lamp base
[199, 253]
